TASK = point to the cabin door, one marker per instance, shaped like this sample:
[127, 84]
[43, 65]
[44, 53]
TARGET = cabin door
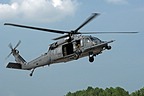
[67, 49]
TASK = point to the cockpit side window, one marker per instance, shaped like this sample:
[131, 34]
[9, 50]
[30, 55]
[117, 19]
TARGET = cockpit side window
[87, 40]
[53, 46]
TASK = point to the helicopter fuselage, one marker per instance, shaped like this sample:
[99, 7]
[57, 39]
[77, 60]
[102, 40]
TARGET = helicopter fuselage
[63, 51]
[70, 46]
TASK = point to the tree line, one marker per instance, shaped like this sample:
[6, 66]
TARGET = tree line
[118, 91]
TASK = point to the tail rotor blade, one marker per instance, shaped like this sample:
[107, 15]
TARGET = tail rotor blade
[13, 50]
[10, 46]
[8, 56]
[17, 44]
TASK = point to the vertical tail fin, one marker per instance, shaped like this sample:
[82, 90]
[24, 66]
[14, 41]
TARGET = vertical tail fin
[19, 58]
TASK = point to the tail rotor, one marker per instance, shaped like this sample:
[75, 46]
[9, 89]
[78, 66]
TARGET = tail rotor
[13, 50]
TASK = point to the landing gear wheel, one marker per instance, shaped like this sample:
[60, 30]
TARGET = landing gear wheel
[31, 74]
[91, 59]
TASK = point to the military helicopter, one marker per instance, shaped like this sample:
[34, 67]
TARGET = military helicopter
[71, 46]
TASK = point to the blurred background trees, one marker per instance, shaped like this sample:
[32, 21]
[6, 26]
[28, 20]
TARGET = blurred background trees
[118, 91]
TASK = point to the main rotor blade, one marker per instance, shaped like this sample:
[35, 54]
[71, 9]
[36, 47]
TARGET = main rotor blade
[87, 21]
[37, 28]
[64, 36]
[60, 37]
[106, 32]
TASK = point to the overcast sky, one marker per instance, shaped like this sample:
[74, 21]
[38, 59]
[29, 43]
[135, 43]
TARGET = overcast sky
[122, 66]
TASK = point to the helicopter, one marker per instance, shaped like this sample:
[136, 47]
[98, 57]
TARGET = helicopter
[71, 46]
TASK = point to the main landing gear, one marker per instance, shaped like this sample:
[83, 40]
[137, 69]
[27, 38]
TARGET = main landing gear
[108, 47]
[91, 57]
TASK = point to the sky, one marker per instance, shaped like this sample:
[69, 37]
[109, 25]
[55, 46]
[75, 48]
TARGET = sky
[121, 66]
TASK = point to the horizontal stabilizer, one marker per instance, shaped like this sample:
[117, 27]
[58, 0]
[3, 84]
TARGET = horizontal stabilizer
[14, 65]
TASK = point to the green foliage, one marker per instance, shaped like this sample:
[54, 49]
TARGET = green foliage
[118, 91]
[138, 93]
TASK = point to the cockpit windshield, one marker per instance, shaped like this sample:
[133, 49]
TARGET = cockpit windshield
[95, 40]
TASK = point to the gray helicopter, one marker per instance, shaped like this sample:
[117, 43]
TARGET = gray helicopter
[71, 46]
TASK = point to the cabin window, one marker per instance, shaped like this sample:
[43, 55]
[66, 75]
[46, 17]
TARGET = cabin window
[87, 40]
[53, 46]
[78, 44]
[81, 42]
